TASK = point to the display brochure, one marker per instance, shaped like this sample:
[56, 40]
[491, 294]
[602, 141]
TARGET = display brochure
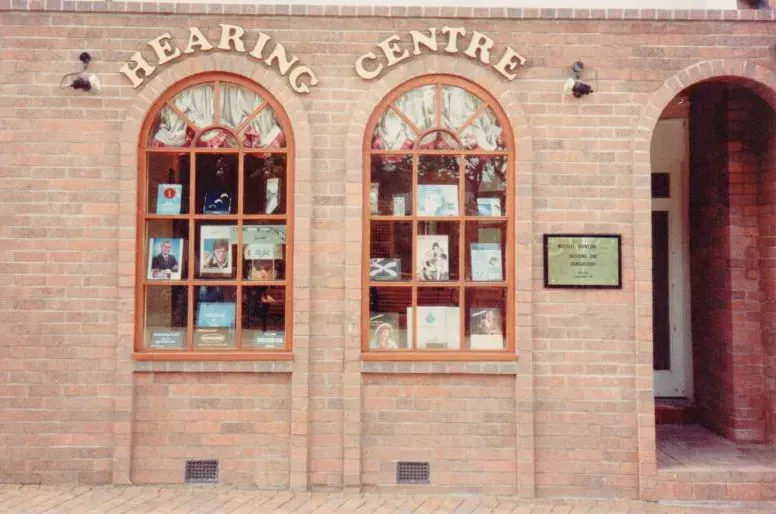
[165, 258]
[264, 338]
[489, 206]
[433, 262]
[166, 338]
[168, 199]
[374, 190]
[384, 333]
[215, 250]
[217, 203]
[437, 200]
[272, 198]
[486, 331]
[438, 328]
[399, 205]
[215, 315]
[213, 338]
[486, 262]
[384, 269]
[263, 250]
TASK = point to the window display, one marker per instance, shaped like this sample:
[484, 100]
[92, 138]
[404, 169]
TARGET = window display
[216, 217]
[438, 225]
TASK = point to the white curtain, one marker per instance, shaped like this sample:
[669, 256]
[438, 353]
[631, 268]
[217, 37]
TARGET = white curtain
[392, 133]
[171, 131]
[457, 105]
[198, 104]
[483, 133]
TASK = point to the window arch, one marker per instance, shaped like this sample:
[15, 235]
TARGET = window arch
[438, 279]
[215, 223]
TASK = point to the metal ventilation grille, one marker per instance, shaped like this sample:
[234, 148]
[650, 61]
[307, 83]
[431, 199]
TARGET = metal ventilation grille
[412, 472]
[201, 471]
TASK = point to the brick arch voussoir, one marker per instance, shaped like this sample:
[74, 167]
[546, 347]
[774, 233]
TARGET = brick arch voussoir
[761, 80]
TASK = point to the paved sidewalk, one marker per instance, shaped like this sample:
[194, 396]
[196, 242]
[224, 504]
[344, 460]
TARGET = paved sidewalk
[218, 499]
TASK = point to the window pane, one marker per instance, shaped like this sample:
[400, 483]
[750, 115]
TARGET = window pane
[265, 184]
[216, 184]
[419, 106]
[264, 251]
[437, 251]
[486, 319]
[388, 308]
[486, 186]
[169, 130]
[237, 104]
[214, 317]
[166, 249]
[438, 185]
[216, 138]
[485, 257]
[390, 191]
[391, 133]
[166, 317]
[216, 250]
[197, 103]
[438, 321]
[458, 105]
[264, 318]
[484, 133]
[264, 131]
[390, 255]
[168, 183]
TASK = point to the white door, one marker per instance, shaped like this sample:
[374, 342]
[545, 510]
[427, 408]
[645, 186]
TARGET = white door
[670, 259]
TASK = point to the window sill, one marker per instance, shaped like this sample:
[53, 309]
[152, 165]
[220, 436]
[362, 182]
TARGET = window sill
[438, 356]
[213, 356]
[189, 366]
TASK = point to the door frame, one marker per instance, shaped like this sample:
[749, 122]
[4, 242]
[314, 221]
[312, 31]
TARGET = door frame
[678, 380]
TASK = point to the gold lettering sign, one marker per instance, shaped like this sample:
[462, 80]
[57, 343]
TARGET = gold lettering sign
[232, 39]
[369, 65]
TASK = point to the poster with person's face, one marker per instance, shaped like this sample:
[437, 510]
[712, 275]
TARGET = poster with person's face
[215, 250]
[165, 258]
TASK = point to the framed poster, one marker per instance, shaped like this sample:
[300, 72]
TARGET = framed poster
[165, 257]
[583, 261]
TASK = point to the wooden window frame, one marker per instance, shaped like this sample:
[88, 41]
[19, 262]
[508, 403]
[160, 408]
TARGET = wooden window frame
[192, 218]
[389, 102]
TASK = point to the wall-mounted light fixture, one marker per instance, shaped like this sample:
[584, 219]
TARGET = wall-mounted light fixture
[575, 86]
[82, 79]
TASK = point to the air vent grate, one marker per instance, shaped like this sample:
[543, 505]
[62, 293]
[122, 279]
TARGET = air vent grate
[201, 471]
[412, 472]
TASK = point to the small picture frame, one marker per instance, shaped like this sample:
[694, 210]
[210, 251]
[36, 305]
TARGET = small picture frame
[486, 332]
[490, 206]
[215, 250]
[399, 205]
[165, 258]
[437, 200]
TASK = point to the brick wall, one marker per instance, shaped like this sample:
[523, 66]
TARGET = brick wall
[709, 252]
[241, 419]
[67, 250]
[464, 426]
[730, 132]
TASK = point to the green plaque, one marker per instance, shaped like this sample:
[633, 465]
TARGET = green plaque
[582, 260]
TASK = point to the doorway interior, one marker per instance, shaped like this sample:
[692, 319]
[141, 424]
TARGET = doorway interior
[714, 266]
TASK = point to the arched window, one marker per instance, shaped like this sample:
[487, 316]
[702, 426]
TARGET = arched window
[215, 223]
[438, 273]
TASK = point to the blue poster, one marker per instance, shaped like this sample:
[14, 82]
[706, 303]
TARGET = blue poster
[168, 199]
[216, 315]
